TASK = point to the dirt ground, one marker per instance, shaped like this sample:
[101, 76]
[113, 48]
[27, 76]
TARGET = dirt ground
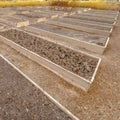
[102, 102]
[20, 99]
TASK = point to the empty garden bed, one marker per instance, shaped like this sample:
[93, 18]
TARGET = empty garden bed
[104, 12]
[69, 37]
[90, 18]
[75, 67]
[31, 17]
[86, 27]
[3, 27]
[106, 16]
[17, 22]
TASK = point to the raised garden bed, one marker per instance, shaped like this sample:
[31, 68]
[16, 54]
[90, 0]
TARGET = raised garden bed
[86, 27]
[31, 17]
[106, 16]
[90, 18]
[75, 67]
[69, 37]
[1, 26]
[14, 21]
[49, 10]
[21, 99]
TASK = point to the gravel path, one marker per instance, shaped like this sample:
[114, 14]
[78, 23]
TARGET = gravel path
[20, 100]
[76, 62]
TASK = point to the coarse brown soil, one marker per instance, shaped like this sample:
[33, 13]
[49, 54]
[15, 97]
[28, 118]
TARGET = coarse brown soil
[21, 100]
[76, 62]
[78, 35]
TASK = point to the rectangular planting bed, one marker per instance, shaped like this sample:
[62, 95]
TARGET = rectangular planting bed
[1, 26]
[90, 18]
[86, 27]
[51, 10]
[31, 17]
[89, 22]
[46, 14]
[75, 39]
[14, 21]
[105, 12]
[26, 99]
[106, 16]
[75, 67]
[37, 15]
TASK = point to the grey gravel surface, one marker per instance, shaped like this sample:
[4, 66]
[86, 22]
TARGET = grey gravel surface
[76, 62]
[21, 100]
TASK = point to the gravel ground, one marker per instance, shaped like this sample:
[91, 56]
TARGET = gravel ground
[79, 35]
[76, 62]
[20, 100]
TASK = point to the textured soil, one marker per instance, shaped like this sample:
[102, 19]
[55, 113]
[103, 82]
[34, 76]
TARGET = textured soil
[21, 100]
[68, 21]
[76, 62]
[79, 35]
